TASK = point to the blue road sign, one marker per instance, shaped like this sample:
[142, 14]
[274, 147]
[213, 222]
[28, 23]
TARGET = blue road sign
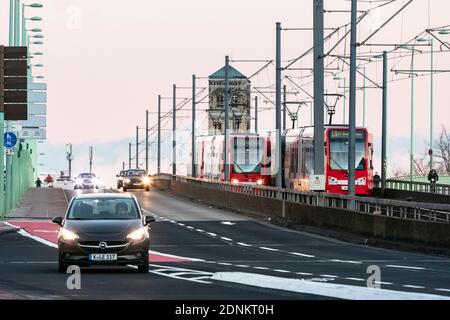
[10, 140]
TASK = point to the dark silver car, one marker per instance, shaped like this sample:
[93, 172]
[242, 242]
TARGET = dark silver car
[104, 229]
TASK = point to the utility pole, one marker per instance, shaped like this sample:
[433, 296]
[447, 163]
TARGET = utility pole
[431, 104]
[129, 155]
[193, 171]
[159, 134]
[278, 104]
[146, 140]
[284, 107]
[123, 165]
[174, 126]
[137, 147]
[319, 152]
[69, 158]
[384, 126]
[352, 107]
[91, 155]
[411, 142]
[256, 114]
[226, 106]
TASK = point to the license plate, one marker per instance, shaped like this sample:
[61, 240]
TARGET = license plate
[103, 257]
[345, 188]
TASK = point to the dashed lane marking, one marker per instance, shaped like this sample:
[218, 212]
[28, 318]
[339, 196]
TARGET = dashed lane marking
[404, 267]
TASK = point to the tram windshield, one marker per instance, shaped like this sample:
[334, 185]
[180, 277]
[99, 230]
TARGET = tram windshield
[247, 154]
[339, 150]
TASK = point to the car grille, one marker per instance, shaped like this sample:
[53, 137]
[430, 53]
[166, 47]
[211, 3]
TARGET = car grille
[94, 246]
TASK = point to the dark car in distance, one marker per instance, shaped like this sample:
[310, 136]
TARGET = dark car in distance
[136, 179]
[120, 178]
[104, 229]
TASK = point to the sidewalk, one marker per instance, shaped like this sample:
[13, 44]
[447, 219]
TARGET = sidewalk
[41, 203]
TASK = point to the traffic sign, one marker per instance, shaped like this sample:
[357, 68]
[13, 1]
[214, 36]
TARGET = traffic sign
[10, 139]
[33, 133]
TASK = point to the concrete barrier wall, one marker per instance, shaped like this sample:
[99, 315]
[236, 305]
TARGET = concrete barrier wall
[425, 197]
[336, 220]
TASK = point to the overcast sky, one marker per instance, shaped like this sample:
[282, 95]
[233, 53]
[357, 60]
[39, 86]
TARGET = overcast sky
[106, 62]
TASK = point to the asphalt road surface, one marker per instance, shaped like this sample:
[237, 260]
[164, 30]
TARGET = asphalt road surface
[199, 252]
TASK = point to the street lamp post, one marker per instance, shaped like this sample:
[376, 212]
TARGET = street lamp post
[430, 41]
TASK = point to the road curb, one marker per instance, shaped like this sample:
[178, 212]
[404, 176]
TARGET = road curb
[4, 228]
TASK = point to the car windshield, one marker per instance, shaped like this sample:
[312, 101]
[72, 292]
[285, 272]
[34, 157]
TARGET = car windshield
[139, 173]
[122, 173]
[103, 209]
[86, 176]
[339, 150]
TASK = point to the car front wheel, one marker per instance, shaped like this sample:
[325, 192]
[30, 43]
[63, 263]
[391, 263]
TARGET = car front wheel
[144, 267]
[62, 267]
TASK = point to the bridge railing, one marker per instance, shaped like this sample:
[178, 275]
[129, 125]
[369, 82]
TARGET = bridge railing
[365, 205]
[443, 189]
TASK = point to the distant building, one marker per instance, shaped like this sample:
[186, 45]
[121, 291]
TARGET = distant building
[239, 102]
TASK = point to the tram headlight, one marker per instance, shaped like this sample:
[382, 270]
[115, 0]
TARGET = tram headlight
[361, 181]
[260, 182]
[332, 181]
[234, 181]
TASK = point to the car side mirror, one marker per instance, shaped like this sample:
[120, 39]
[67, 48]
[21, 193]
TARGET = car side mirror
[149, 219]
[58, 220]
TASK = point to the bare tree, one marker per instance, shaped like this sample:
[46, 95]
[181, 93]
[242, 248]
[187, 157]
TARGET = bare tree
[442, 150]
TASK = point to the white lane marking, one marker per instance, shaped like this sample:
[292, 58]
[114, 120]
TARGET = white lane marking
[212, 234]
[242, 266]
[261, 268]
[46, 231]
[302, 255]
[413, 287]
[225, 264]
[226, 239]
[181, 224]
[346, 261]
[328, 276]
[164, 271]
[282, 271]
[304, 273]
[228, 223]
[200, 230]
[173, 256]
[171, 221]
[442, 289]
[39, 239]
[244, 244]
[190, 227]
[404, 267]
[354, 279]
[321, 288]
[269, 249]
[384, 282]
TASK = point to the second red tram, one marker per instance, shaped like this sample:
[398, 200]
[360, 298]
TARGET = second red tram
[298, 159]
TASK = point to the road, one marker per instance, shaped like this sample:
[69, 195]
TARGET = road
[199, 252]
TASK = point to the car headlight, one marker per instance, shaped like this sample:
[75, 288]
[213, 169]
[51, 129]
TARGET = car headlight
[234, 181]
[120, 178]
[69, 235]
[127, 180]
[260, 182]
[146, 180]
[138, 234]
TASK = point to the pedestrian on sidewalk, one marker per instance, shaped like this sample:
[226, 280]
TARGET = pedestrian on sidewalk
[38, 183]
[433, 178]
[49, 181]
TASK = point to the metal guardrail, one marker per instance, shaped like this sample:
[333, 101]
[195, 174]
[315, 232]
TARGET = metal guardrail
[375, 206]
[442, 189]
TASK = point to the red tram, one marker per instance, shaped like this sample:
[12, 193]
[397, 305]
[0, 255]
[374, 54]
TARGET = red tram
[298, 159]
[248, 158]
